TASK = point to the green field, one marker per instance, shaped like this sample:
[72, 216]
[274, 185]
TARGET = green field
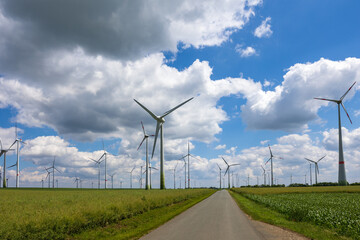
[334, 208]
[60, 213]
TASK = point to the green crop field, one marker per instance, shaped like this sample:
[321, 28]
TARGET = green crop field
[335, 208]
[60, 213]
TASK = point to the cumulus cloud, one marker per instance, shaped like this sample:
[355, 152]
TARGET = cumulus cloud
[245, 52]
[290, 106]
[264, 30]
[126, 30]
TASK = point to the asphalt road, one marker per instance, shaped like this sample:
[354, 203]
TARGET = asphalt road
[217, 217]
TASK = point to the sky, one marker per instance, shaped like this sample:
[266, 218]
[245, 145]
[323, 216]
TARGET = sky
[69, 72]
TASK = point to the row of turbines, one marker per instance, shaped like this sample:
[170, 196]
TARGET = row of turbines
[160, 120]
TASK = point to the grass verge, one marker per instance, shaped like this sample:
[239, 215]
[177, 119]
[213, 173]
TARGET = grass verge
[261, 213]
[139, 225]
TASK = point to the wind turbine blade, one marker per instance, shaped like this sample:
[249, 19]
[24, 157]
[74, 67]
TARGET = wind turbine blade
[321, 158]
[326, 99]
[142, 125]
[57, 170]
[225, 161]
[347, 92]
[101, 157]
[173, 109]
[12, 166]
[346, 112]
[151, 114]
[267, 161]
[317, 168]
[156, 136]
[12, 145]
[218, 166]
[270, 151]
[227, 169]
[141, 143]
[262, 167]
[235, 164]
[155, 168]
[310, 160]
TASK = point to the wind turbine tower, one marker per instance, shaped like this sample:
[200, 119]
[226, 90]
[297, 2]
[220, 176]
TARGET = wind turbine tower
[342, 173]
[264, 174]
[3, 152]
[159, 127]
[131, 176]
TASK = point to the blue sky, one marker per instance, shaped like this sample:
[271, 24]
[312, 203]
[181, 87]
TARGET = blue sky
[253, 67]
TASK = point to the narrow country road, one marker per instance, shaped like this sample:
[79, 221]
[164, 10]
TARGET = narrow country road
[217, 217]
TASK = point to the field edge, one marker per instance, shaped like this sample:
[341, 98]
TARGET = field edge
[129, 228]
[261, 213]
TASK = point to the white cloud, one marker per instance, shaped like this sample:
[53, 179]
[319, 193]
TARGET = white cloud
[245, 52]
[290, 106]
[218, 147]
[264, 30]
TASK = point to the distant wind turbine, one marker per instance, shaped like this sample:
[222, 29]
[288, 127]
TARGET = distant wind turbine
[146, 136]
[159, 127]
[271, 159]
[316, 166]
[53, 172]
[98, 163]
[131, 176]
[112, 180]
[228, 169]
[17, 164]
[3, 152]
[174, 169]
[342, 174]
[188, 155]
[48, 176]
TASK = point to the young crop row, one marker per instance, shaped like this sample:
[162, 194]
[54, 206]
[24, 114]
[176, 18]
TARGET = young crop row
[337, 211]
[57, 214]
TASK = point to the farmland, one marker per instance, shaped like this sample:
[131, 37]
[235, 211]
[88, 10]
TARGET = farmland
[335, 208]
[60, 213]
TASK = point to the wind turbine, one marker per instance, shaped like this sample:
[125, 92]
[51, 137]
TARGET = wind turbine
[174, 169]
[112, 180]
[342, 173]
[146, 136]
[220, 174]
[131, 176]
[77, 181]
[53, 171]
[184, 169]
[188, 155]
[104, 155]
[3, 152]
[264, 174]
[228, 170]
[271, 159]
[17, 164]
[98, 163]
[159, 127]
[316, 166]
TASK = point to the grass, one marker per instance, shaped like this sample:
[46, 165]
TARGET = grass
[62, 213]
[315, 212]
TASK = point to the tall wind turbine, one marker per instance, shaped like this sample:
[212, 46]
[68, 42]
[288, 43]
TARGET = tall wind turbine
[316, 166]
[146, 136]
[342, 173]
[131, 176]
[77, 180]
[220, 174]
[150, 174]
[3, 152]
[183, 158]
[228, 170]
[17, 164]
[48, 176]
[159, 127]
[271, 159]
